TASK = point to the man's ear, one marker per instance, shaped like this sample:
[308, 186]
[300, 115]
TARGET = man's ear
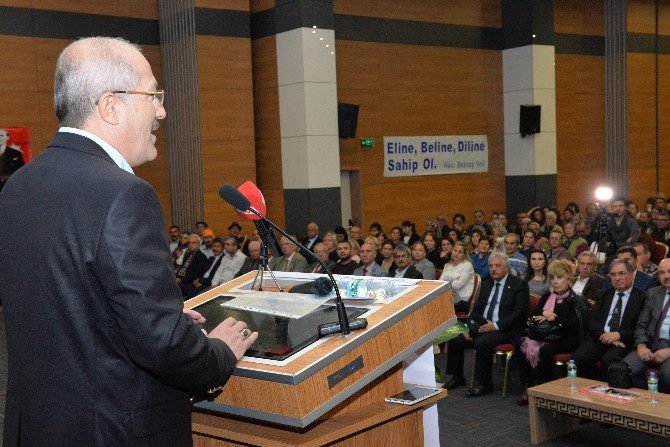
[108, 108]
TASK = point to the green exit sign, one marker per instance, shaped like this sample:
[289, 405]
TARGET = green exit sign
[367, 142]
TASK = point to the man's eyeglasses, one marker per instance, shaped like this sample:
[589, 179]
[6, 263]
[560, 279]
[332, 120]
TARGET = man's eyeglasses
[158, 95]
[400, 256]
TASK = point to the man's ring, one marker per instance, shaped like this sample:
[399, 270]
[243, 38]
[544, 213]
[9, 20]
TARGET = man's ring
[245, 333]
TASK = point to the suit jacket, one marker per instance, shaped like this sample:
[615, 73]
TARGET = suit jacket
[374, 270]
[206, 281]
[513, 303]
[311, 247]
[297, 264]
[196, 268]
[411, 272]
[99, 349]
[248, 265]
[600, 312]
[651, 312]
[10, 161]
[642, 281]
[311, 266]
[593, 285]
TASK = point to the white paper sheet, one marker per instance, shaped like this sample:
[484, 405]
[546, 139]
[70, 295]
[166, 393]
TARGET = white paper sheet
[290, 305]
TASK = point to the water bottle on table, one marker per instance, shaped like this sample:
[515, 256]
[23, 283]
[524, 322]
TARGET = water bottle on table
[652, 386]
[572, 374]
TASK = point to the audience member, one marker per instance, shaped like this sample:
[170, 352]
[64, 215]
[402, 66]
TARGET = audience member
[290, 261]
[541, 242]
[396, 236]
[368, 266]
[231, 262]
[550, 225]
[460, 273]
[200, 226]
[455, 235]
[321, 252]
[174, 234]
[479, 223]
[179, 252]
[203, 282]
[432, 250]
[652, 335]
[623, 230]
[194, 262]
[235, 231]
[356, 234]
[330, 240]
[312, 238]
[641, 280]
[518, 263]
[556, 250]
[387, 253]
[409, 236]
[419, 261]
[661, 229]
[574, 243]
[503, 301]
[345, 265]
[341, 234]
[563, 307]
[588, 281]
[446, 246]
[611, 322]
[476, 235]
[644, 262]
[536, 273]
[251, 262]
[401, 267]
[11, 157]
[375, 229]
[480, 258]
[207, 241]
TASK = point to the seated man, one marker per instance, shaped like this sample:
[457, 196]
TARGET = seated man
[661, 229]
[290, 261]
[641, 280]
[194, 263]
[345, 265]
[203, 282]
[644, 262]
[401, 268]
[356, 234]
[611, 323]
[312, 238]
[368, 266]
[588, 281]
[174, 238]
[230, 263]
[207, 240]
[321, 252]
[503, 301]
[652, 335]
[517, 261]
[480, 258]
[252, 261]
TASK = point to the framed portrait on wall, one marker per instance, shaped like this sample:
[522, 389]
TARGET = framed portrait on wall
[14, 150]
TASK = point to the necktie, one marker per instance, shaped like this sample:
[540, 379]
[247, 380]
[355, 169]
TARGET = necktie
[364, 271]
[494, 302]
[285, 265]
[615, 321]
[317, 269]
[657, 331]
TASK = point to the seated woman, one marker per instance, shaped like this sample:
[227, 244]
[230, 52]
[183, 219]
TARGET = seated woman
[387, 253]
[540, 241]
[432, 252]
[476, 235]
[536, 273]
[460, 272]
[480, 258]
[562, 306]
[446, 245]
[574, 242]
[419, 261]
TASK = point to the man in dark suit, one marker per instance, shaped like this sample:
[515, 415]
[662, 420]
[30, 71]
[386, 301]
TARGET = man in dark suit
[11, 158]
[402, 256]
[641, 280]
[321, 251]
[652, 334]
[588, 281]
[311, 240]
[100, 351]
[195, 262]
[503, 301]
[611, 323]
[204, 281]
[252, 262]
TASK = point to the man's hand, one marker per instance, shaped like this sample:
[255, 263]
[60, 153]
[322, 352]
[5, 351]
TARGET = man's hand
[661, 355]
[231, 332]
[644, 352]
[196, 283]
[195, 316]
[488, 327]
[609, 338]
[467, 336]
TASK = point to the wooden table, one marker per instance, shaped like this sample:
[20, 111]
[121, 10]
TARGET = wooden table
[554, 411]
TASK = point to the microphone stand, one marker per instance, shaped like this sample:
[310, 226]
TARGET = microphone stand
[344, 326]
[263, 264]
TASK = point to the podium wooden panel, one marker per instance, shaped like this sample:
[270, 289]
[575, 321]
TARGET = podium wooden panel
[294, 404]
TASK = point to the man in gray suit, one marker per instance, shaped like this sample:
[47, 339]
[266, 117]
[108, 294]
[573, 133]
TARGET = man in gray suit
[652, 334]
[291, 261]
[368, 266]
[100, 351]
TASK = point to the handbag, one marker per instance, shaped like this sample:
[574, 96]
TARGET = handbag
[543, 330]
[474, 322]
[619, 374]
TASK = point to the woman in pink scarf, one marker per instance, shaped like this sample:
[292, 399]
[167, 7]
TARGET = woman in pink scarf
[564, 307]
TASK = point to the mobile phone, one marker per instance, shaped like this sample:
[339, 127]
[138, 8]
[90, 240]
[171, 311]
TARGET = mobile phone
[413, 395]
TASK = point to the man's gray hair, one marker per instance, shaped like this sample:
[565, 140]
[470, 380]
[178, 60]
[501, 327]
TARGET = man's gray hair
[499, 255]
[86, 69]
[254, 244]
[403, 250]
[629, 267]
[587, 253]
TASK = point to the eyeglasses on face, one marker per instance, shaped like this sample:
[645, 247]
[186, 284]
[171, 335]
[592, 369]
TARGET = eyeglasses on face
[158, 95]
[400, 256]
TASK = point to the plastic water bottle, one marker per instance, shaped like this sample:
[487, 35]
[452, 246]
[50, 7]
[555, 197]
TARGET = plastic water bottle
[572, 374]
[652, 386]
[379, 289]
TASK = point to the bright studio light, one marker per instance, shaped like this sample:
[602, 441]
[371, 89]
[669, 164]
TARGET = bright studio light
[603, 194]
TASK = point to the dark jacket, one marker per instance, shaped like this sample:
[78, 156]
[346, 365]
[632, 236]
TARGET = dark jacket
[600, 312]
[411, 272]
[99, 349]
[590, 291]
[573, 325]
[513, 303]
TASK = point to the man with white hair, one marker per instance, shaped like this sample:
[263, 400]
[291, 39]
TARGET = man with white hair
[100, 351]
[503, 302]
[290, 261]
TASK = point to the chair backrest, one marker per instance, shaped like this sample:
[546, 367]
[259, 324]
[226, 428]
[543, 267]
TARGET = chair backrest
[665, 247]
[533, 301]
[475, 291]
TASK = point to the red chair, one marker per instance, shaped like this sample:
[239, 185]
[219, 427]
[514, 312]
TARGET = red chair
[507, 350]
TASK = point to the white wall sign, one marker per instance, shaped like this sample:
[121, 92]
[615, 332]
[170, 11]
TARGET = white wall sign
[450, 154]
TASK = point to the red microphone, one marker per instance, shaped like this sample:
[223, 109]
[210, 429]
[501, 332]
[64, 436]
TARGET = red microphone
[256, 199]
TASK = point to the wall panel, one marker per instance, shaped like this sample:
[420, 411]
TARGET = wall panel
[585, 17]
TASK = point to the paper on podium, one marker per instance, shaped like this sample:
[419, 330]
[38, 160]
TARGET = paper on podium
[290, 305]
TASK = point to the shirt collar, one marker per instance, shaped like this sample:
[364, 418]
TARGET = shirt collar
[111, 151]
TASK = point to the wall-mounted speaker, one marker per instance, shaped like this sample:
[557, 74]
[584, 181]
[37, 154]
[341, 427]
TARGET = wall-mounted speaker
[529, 119]
[347, 119]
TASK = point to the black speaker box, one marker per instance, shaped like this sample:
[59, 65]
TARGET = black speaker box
[529, 120]
[347, 119]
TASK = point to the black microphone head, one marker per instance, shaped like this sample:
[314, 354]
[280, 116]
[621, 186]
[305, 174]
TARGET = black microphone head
[231, 195]
[323, 286]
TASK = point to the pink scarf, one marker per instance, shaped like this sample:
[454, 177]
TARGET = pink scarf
[532, 347]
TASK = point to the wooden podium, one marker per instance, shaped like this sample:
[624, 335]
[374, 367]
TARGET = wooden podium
[333, 393]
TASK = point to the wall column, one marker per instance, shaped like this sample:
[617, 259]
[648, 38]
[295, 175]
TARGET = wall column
[529, 78]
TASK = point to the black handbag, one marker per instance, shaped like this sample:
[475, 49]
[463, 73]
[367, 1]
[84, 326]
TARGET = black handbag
[619, 374]
[474, 322]
[543, 330]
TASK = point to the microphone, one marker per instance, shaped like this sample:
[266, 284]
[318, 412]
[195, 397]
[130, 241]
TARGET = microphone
[242, 204]
[255, 197]
[320, 286]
